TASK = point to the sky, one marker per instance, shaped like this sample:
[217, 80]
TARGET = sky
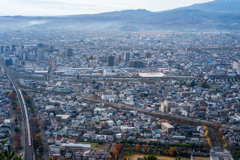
[74, 7]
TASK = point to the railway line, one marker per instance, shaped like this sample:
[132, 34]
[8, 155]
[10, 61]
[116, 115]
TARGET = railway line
[29, 152]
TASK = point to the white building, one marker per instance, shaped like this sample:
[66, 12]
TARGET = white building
[236, 65]
[106, 97]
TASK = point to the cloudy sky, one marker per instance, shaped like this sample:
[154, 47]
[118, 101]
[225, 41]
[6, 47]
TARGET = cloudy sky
[70, 7]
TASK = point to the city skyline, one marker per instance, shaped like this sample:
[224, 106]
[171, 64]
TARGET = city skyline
[73, 7]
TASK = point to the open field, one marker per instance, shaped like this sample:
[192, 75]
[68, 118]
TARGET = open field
[97, 146]
[213, 86]
[135, 156]
[201, 158]
[93, 145]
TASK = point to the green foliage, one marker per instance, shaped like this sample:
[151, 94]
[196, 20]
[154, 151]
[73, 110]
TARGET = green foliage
[8, 154]
[192, 84]
[40, 148]
[150, 157]
[16, 129]
[204, 84]
[16, 120]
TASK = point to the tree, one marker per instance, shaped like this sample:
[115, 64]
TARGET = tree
[18, 109]
[35, 120]
[225, 145]
[40, 148]
[117, 147]
[145, 148]
[17, 130]
[207, 146]
[17, 138]
[39, 130]
[8, 154]
[37, 136]
[16, 120]
[178, 158]
[204, 84]
[114, 152]
[17, 158]
[17, 145]
[206, 133]
[151, 150]
[150, 157]
[138, 147]
[172, 151]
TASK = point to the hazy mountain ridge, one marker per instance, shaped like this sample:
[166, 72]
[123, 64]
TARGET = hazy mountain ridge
[218, 14]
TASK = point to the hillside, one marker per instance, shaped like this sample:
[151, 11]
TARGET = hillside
[218, 14]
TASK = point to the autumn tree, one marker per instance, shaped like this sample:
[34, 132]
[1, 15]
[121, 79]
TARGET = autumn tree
[26, 97]
[225, 145]
[37, 136]
[206, 133]
[35, 120]
[18, 109]
[114, 152]
[172, 151]
[145, 148]
[17, 138]
[17, 145]
[117, 147]
[138, 147]
[207, 146]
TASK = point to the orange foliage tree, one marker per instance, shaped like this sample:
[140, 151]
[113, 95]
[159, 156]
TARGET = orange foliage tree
[145, 148]
[35, 120]
[172, 151]
[17, 145]
[138, 147]
[37, 136]
[117, 147]
[18, 109]
[115, 152]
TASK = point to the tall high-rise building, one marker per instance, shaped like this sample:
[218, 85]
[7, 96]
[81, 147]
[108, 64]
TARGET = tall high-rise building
[31, 56]
[25, 56]
[13, 48]
[110, 60]
[236, 65]
[41, 54]
[126, 57]
[137, 64]
[69, 52]
[147, 55]
[2, 49]
[6, 53]
[51, 48]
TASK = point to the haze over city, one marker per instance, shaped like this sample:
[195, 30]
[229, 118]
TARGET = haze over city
[119, 80]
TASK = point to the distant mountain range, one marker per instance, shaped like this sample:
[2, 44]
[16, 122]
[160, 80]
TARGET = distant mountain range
[218, 14]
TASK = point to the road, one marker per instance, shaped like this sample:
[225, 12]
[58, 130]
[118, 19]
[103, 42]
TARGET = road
[28, 149]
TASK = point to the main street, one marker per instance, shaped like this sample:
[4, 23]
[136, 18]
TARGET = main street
[28, 149]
